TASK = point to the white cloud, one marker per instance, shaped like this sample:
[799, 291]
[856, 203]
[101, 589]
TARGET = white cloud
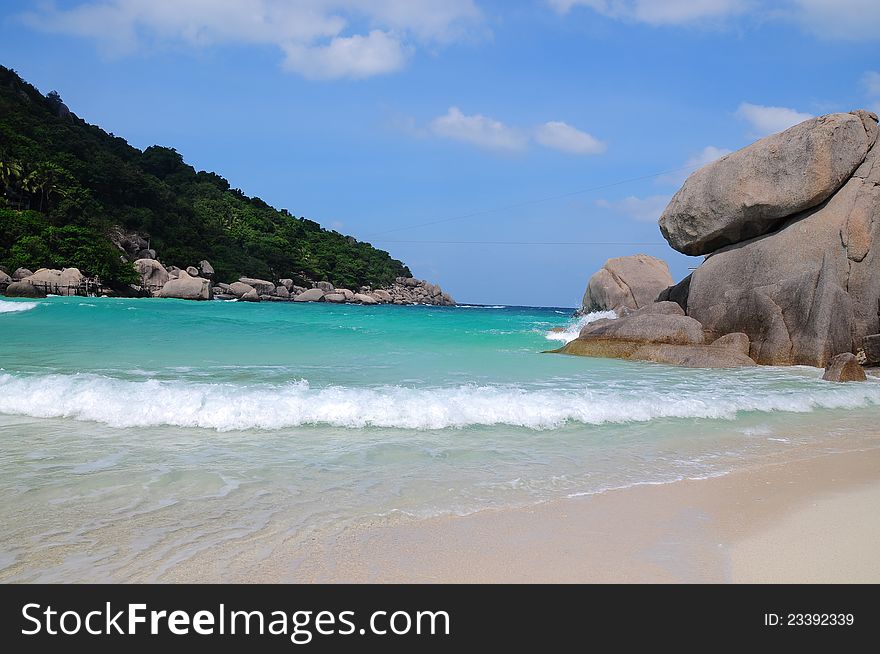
[478, 130]
[352, 56]
[707, 155]
[871, 81]
[769, 120]
[565, 138]
[646, 210]
[827, 19]
[657, 12]
[320, 38]
[854, 20]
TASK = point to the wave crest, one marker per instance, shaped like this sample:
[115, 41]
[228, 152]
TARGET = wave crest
[15, 307]
[228, 407]
[573, 329]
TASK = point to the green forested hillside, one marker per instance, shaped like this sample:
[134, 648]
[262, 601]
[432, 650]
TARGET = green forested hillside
[66, 186]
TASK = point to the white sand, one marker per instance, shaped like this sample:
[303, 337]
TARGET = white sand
[805, 521]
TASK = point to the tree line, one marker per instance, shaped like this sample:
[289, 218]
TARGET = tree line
[67, 186]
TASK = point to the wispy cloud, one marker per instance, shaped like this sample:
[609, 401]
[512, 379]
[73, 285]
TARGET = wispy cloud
[850, 20]
[649, 208]
[318, 37]
[565, 138]
[698, 159]
[645, 210]
[871, 82]
[826, 19]
[492, 134]
[479, 130]
[657, 12]
[707, 155]
[769, 120]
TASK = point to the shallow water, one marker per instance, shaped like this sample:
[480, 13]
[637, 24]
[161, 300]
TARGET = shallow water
[139, 435]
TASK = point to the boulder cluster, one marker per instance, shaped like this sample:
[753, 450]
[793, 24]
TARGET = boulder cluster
[197, 283]
[788, 227]
[24, 283]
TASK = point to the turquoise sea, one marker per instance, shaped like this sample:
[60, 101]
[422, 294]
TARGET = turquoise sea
[138, 436]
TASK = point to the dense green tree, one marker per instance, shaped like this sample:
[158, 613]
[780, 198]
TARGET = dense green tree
[79, 177]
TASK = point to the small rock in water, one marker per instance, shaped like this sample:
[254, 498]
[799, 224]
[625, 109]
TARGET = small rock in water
[844, 368]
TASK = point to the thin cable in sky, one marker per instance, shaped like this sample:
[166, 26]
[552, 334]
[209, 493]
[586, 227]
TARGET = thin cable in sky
[431, 242]
[529, 202]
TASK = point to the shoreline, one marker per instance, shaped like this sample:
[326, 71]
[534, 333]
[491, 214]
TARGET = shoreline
[809, 520]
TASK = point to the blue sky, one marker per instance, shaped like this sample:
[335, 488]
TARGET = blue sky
[375, 117]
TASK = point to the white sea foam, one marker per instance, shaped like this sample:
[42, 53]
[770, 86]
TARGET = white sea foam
[479, 306]
[573, 329]
[14, 307]
[225, 407]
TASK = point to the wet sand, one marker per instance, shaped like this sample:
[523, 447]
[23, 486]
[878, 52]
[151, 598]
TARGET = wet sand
[811, 520]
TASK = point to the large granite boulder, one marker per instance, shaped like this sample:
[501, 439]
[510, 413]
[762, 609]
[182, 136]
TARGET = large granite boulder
[5, 280]
[250, 296]
[263, 287]
[806, 292]
[693, 356]
[206, 269]
[648, 328]
[363, 298]
[750, 192]
[871, 348]
[23, 289]
[21, 273]
[626, 283]
[660, 338]
[186, 287]
[311, 295]
[661, 333]
[61, 282]
[152, 273]
[240, 289]
[737, 340]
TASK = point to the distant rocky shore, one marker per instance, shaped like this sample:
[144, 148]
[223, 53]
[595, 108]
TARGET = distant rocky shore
[198, 283]
[791, 276]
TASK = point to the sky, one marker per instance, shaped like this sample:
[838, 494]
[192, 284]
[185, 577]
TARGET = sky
[504, 150]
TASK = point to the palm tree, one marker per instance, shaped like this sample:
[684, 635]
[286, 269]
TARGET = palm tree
[47, 179]
[31, 183]
[10, 172]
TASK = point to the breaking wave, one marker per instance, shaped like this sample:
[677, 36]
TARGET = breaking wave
[14, 307]
[573, 329]
[227, 407]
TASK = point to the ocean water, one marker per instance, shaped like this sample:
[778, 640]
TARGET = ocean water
[142, 437]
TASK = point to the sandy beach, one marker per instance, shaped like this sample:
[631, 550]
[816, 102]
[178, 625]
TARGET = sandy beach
[811, 520]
